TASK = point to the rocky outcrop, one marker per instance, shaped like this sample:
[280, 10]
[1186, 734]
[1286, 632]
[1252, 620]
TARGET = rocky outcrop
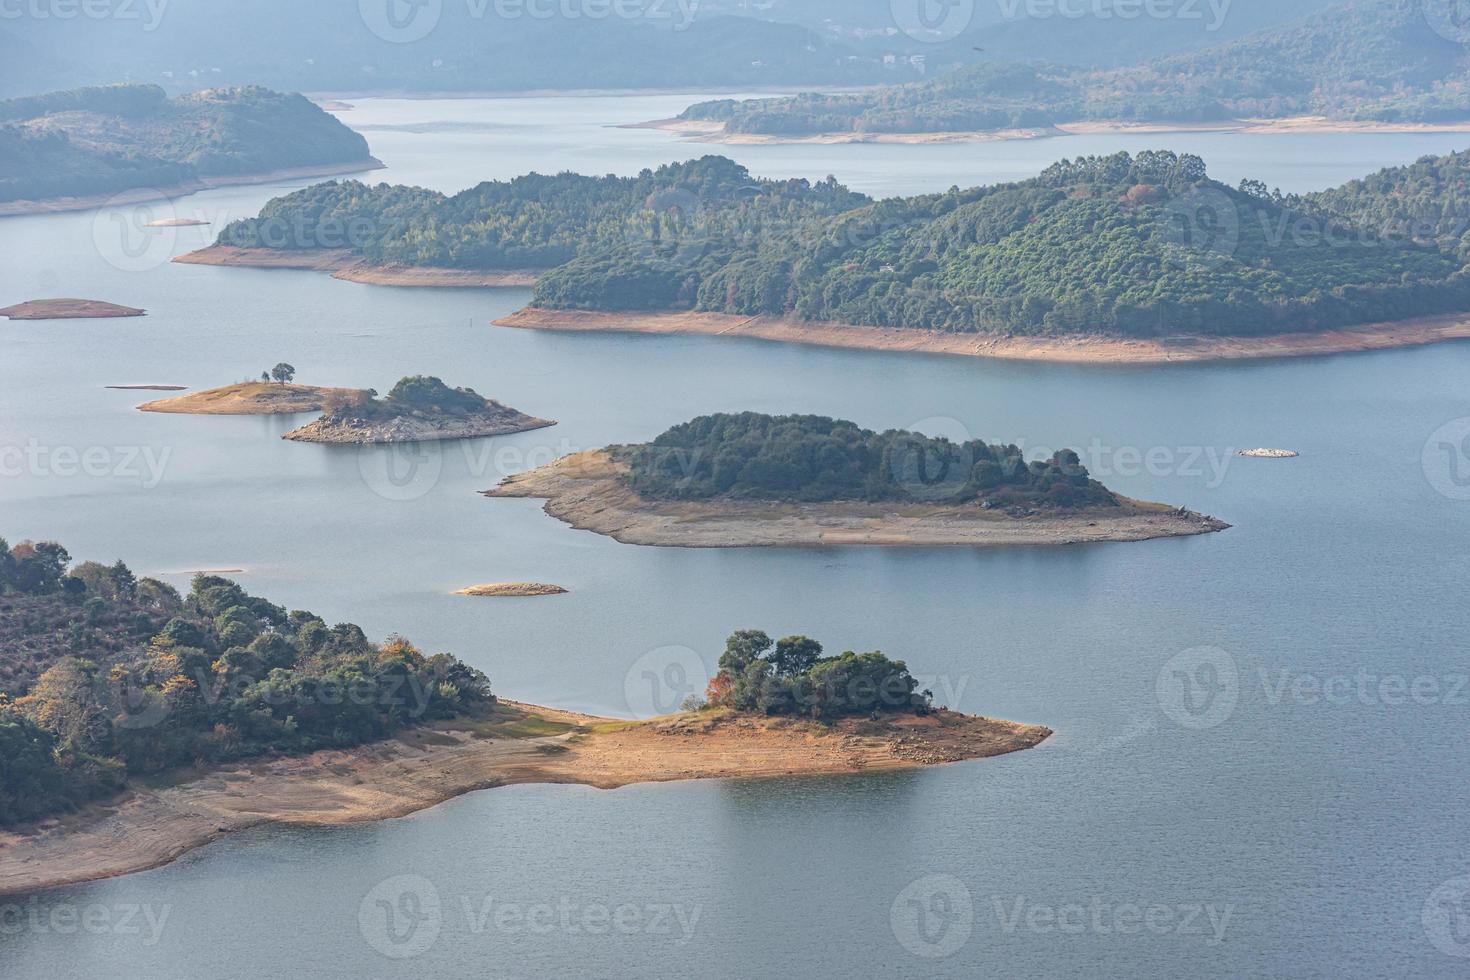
[495, 420]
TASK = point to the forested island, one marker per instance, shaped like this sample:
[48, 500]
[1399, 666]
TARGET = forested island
[1368, 62]
[66, 149]
[1127, 256]
[753, 480]
[137, 723]
[417, 409]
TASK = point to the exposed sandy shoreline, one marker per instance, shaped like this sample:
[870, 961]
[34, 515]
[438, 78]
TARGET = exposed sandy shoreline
[138, 195]
[710, 131]
[1079, 350]
[68, 309]
[248, 398]
[588, 491]
[519, 744]
[347, 265]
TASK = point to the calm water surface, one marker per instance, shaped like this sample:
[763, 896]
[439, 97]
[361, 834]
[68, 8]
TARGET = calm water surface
[1313, 830]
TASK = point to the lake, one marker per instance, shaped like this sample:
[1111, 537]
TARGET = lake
[1260, 752]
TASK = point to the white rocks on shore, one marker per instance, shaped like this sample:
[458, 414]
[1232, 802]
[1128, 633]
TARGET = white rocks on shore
[1269, 454]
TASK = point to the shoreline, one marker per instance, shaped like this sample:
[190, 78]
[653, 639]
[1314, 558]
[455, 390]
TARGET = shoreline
[151, 826]
[139, 195]
[1183, 349]
[588, 492]
[348, 266]
[69, 309]
[713, 131]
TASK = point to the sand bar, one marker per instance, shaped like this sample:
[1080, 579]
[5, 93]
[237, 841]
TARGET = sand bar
[149, 827]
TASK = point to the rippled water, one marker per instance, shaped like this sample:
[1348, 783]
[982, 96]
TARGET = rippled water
[1315, 829]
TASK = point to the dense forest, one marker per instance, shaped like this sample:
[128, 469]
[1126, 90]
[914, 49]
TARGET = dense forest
[104, 675]
[1139, 245]
[1370, 60]
[792, 677]
[115, 138]
[811, 458]
[538, 221]
[1426, 201]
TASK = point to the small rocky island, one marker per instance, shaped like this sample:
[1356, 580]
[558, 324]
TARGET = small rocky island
[68, 309]
[418, 409]
[751, 480]
[511, 590]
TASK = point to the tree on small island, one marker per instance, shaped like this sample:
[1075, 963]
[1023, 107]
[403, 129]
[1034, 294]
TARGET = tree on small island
[791, 677]
[415, 394]
[283, 373]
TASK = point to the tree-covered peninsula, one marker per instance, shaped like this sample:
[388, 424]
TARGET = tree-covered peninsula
[1372, 60]
[1127, 246]
[105, 676]
[101, 141]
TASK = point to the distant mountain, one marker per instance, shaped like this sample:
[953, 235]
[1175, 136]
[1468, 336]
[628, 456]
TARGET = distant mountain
[1376, 60]
[88, 142]
[466, 46]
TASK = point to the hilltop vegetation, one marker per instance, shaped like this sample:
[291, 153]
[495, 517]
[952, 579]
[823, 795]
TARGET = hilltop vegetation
[1370, 60]
[1138, 245]
[1426, 201]
[1143, 245]
[107, 676]
[811, 458]
[537, 221]
[114, 138]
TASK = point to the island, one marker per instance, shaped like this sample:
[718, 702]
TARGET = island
[1370, 65]
[752, 480]
[511, 590]
[252, 398]
[417, 409]
[1124, 258]
[138, 724]
[68, 309]
[116, 144]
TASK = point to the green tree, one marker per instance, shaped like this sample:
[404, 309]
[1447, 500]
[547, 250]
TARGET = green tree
[795, 655]
[283, 373]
